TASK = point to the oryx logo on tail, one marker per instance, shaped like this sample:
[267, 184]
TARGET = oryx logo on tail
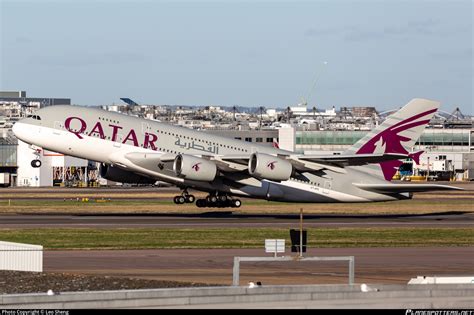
[391, 140]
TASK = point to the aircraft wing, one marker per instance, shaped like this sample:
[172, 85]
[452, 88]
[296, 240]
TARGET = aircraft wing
[352, 159]
[232, 163]
[145, 162]
[401, 188]
[149, 161]
[308, 163]
[337, 163]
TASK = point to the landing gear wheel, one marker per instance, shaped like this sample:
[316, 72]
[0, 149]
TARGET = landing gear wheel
[36, 163]
[201, 203]
[212, 199]
[236, 203]
[190, 198]
[223, 198]
[180, 199]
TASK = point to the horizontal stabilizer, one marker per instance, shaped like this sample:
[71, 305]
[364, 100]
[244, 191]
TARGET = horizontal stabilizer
[401, 188]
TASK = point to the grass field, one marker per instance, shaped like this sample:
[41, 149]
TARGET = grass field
[415, 206]
[146, 238]
[159, 200]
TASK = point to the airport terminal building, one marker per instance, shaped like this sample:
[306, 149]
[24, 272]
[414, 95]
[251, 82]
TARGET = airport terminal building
[8, 159]
[20, 98]
[453, 146]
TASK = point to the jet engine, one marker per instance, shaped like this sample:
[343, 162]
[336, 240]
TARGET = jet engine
[194, 168]
[269, 167]
[116, 174]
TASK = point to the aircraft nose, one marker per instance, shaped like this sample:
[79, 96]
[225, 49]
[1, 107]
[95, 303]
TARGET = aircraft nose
[19, 130]
[15, 128]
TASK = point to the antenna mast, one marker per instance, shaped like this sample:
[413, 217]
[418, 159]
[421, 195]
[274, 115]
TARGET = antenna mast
[316, 78]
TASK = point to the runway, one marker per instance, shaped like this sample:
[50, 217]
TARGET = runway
[214, 266]
[148, 193]
[228, 219]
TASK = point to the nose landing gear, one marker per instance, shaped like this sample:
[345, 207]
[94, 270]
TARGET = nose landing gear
[36, 162]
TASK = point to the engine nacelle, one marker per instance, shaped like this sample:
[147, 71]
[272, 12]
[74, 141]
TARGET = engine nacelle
[194, 168]
[269, 167]
[116, 174]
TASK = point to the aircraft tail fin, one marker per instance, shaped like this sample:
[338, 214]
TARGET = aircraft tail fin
[397, 134]
[129, 101]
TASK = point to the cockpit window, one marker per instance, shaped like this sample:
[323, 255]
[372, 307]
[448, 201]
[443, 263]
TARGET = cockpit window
[34, 117]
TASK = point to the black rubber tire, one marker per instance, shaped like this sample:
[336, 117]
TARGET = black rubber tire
[201, 203]
[213, 199]
[190, 199]
[181, 200]
[223, 198]
[36, 163]
[175, 199]
[236, 203]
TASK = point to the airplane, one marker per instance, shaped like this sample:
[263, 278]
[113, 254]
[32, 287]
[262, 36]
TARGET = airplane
[136, 150]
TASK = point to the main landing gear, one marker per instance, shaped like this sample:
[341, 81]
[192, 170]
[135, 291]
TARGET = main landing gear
[219, 201]
[212, 200]
[185, 197]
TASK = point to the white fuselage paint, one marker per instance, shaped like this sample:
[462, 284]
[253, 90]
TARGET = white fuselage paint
[112, 152]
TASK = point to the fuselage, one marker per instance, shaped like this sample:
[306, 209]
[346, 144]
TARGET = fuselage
[106, 137]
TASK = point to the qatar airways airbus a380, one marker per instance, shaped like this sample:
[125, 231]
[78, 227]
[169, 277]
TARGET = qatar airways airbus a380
[135, 150]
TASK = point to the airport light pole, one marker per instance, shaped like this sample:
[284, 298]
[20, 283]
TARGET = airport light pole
[428, 168]
[261, 113]
[301, 232]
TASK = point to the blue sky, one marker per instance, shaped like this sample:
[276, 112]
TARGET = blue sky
[248, 53]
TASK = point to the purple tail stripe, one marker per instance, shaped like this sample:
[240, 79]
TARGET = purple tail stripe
[393, 143]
